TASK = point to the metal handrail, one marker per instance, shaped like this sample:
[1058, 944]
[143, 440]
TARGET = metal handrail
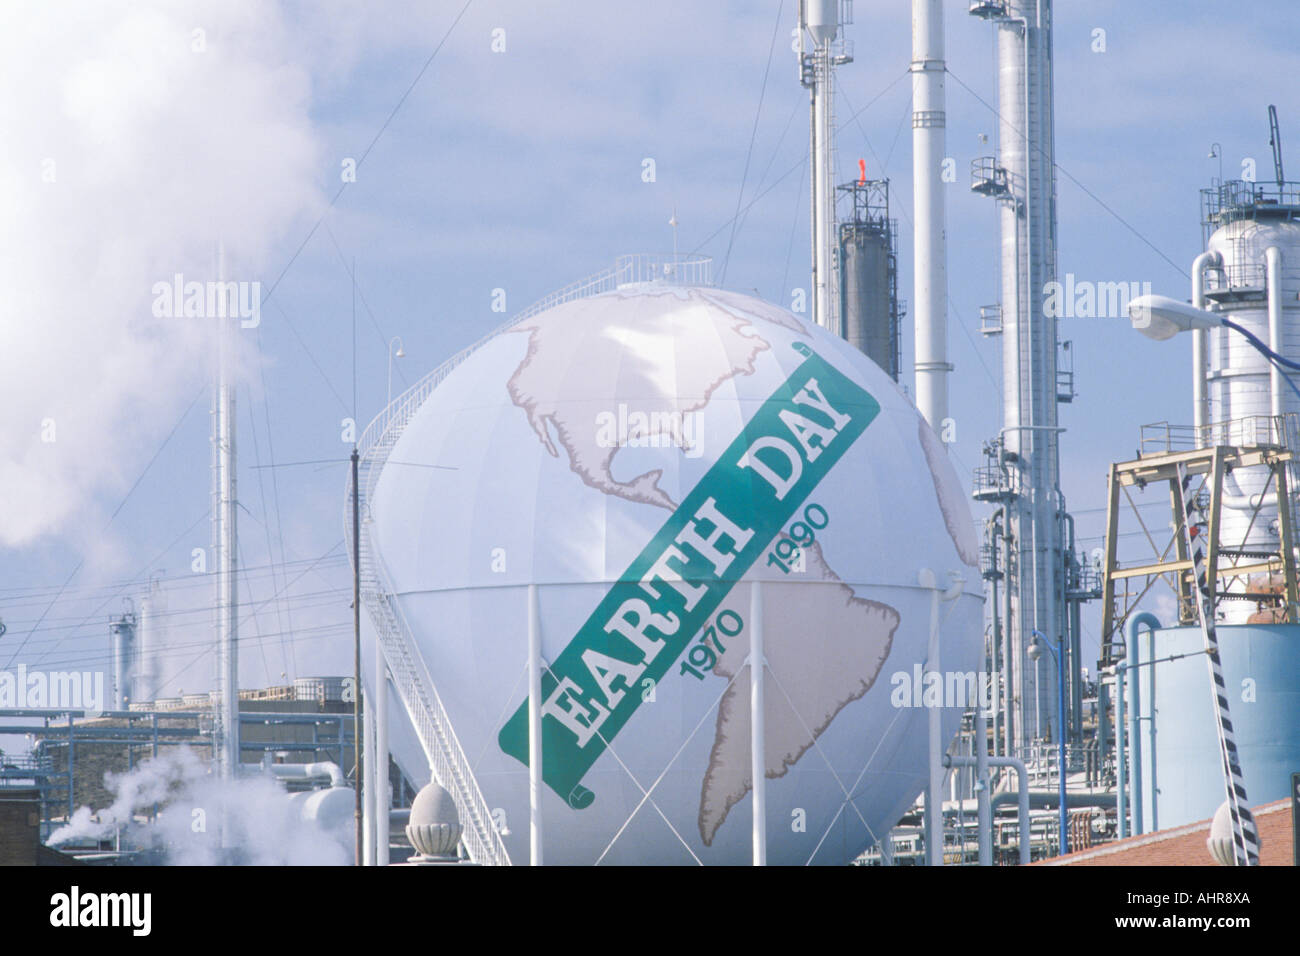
[447, 758]
[991, 319]
[988, 176]
[1237, 198]
[994, 479]
[1250, 431]
[1236, 276]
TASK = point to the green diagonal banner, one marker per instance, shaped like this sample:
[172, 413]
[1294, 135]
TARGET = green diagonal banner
[661, 602]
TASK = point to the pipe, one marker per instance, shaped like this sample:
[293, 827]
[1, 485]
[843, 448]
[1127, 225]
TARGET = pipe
[358, 812]
[812, 163]
[934, 818]
[1008, 664]
[1045, 799]
[821, 20]
[225, 525]
[143, 687]
[1132, 659]
[307, 771]
[983, 811]
[1076, 649]
[930, 266]
[887, 848]
[534, 728]
[1058, 655]
[999, 662]
[757, 722]
[1064, 835]
[1121, 781]
[1200, 346]
[1273, 277]
[1022, 795]
[1150, 696]
[368, 783]
[380, 757]
[1238, 501]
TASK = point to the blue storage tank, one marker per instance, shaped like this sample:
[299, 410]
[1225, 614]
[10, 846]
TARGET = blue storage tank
[1261, 667]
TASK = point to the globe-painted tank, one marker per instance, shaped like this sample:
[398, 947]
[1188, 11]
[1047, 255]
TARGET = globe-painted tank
[644, 457]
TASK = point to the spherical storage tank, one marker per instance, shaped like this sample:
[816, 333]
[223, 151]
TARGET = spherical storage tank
[645, 457]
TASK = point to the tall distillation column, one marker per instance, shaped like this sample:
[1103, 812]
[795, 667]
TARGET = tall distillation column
[819, 22]
[930, 264]
[225, 544]
[1024, 181]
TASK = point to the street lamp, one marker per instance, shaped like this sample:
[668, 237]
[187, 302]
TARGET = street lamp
[1160, 317]
[1216, 152]
[391, 356]
[1034, 652]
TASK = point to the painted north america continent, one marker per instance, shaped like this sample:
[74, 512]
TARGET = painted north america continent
[668, 361]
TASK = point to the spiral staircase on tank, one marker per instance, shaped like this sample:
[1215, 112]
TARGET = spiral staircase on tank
[411, 677]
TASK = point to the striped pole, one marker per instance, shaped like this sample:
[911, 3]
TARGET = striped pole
[1245, 839]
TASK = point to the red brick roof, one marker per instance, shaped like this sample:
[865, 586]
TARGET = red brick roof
[1185, 846]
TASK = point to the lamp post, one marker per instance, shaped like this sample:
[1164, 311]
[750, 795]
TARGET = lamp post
[1035, 651]
[1160, 317]
[391, 356]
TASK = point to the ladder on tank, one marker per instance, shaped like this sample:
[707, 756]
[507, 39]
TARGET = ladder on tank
[415, 687]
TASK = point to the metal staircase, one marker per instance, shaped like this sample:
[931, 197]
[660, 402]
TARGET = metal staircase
[415, 686]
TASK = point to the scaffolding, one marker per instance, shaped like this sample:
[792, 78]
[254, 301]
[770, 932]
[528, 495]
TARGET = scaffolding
[1268, 575]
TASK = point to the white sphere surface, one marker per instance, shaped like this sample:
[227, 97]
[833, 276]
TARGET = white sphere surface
[644, 457]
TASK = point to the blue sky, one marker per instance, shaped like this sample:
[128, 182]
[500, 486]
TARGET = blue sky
[518, 170]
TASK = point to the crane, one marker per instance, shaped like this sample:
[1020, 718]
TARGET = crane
[1275, 140]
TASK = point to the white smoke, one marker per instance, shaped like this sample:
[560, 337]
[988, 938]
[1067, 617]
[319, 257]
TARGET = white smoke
[137, 135]
[200, 814]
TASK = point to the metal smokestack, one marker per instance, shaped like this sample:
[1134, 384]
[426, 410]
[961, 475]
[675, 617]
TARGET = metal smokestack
[930, 262]
[225, 545]
[819, 21]
[122, 632]
[148, 640]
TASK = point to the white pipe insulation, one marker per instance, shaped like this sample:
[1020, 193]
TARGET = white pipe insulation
[1273, 279]
[1200, 345]
[308, 771]
[930, 264]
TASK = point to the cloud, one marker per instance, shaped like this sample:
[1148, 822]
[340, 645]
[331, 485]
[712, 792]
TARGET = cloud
[137, 135]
